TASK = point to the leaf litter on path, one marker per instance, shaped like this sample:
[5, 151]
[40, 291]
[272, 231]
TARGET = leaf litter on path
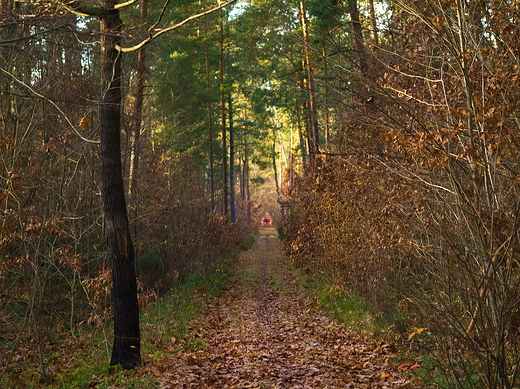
[262, 333]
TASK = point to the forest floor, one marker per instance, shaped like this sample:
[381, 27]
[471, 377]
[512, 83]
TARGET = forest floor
[263, 332]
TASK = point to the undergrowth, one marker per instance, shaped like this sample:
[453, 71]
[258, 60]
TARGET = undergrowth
[352, 311]
[164, 323]
[345, 306]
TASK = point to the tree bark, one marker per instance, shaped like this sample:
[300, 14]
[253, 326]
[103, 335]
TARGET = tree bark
[358, 36]
[223, 118]
[137, 122]
[246, 186]
[210, 127]
[126, 347]
[232, 196]
[277, 185]
[314, 138]
[301, 136]
[326, 99]
[373, 22]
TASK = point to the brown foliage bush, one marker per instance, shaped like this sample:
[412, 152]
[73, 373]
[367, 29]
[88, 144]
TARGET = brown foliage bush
[426, 198]
[351, 220]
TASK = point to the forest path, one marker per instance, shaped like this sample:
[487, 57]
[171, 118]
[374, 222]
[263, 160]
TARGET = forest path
[262, 333]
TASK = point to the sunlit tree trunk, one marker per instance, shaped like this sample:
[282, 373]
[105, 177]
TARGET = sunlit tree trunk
[232, 162]
[126, 347]
[246, 186]
[326, 99]
[137, 122]
[301, 135]
[373, 22]
[314, 139]
[357, 31]
[277, 184]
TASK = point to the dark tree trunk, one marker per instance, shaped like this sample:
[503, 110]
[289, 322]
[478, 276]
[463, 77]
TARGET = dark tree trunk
[210, 134]
[232, 196]
[246, 187]
[358, 36]
[126, 348]
[137, 122]
[210, 123]
[224, 132]
[314, 137]
[326, 99]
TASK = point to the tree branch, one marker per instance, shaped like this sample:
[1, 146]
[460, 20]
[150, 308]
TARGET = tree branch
[122, 5]
[53, 104]
[63, 28]
[26, 37]
[82, 8]
[171, 28]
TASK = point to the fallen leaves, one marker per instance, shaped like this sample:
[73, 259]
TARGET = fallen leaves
[263, 333]
[416, 331]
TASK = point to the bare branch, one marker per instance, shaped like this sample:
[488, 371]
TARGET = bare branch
[53, 104]
[174, 27]
[26, 37]
[122, 5]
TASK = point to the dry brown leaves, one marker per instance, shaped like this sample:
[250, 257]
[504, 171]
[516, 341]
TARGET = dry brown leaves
[263, 333]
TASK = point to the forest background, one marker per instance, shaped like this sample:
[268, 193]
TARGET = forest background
[388, 128]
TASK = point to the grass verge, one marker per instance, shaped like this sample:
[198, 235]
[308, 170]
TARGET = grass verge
[342, 305]
[352, 311]
[164, 323]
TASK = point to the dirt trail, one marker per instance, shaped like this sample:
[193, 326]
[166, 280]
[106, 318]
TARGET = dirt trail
[263, 334]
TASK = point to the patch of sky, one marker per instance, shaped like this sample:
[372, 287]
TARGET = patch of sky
[237, 9]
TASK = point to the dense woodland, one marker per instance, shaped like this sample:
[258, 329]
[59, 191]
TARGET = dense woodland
[382, 137]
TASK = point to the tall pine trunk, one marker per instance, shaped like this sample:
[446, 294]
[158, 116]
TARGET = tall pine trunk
[301, 136]
[357, 31]
[223, 122]
[246, 186]
[137, 121]
[210, 122]
[326, 99]
[232, 192]
[277, 184]
[373, 22]
[314, 138]
[126, 348]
